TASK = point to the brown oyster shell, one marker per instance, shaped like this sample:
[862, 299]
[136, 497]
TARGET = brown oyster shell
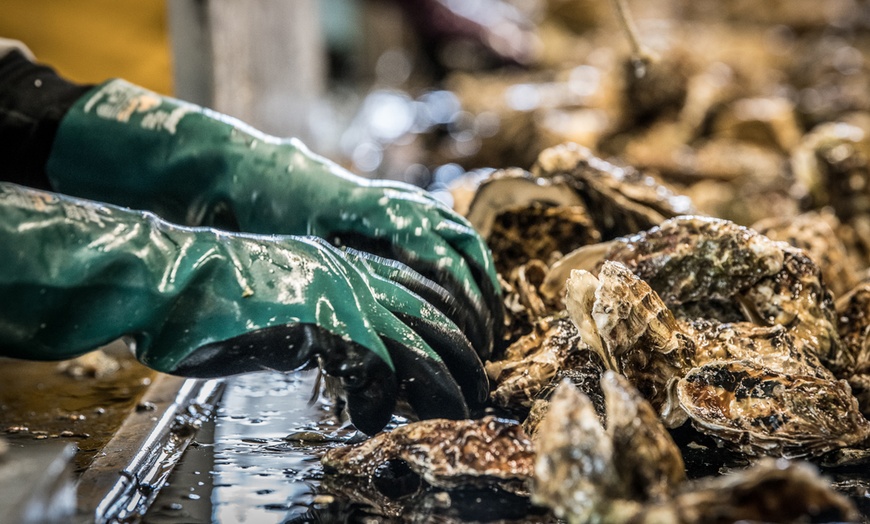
[772, 347]
[853, 317]
[760, 411]
[772, 490]
[538, 232]
[585, 376]
[621, 318]
[530, 363]
[584, 470]
[796, 297]
[815, 233]
[445, 453]
[622, 200]
[691, 258]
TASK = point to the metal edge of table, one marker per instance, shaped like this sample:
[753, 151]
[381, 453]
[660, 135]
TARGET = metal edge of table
[125, 477]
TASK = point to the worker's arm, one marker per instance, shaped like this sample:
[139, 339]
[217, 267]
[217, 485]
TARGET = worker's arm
[203, 303]
[121, 144]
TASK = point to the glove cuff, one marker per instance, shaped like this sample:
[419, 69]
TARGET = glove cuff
[33, 100]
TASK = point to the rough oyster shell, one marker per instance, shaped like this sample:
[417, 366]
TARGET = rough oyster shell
[445, 453]
[761, 411]
[772, 490]
[584, 470]
[692, 258]
[853, 315]
[621, 318]
[770, 347]
[623, 199]
[585, 376]
[815, 233]
[530, 363]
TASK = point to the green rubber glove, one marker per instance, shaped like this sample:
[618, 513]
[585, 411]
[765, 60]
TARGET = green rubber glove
[204, 303]
[128, 146]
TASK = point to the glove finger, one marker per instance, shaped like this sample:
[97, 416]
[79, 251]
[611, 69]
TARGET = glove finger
[440, 262]
[427, 384]
[424, 378]
[477, 255]
[436, 329]
[469, 314]
[370, 385]
[403, 275]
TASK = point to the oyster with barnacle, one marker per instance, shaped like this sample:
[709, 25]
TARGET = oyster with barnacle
[632, 471]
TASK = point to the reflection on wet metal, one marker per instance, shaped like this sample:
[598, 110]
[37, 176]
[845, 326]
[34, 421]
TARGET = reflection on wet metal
[126, 475]
[37, 484]
[264, 459]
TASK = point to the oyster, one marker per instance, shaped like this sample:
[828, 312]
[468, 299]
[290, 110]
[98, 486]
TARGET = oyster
[691, 259]
[770, 491]
[585, 376]
[762, 411]
[621, 318]
[633, 472]
[539, 232]
[531, 362]
[815, 233]
[445, 453]
[716, 269]
[853, 313]
[583, 470]
[524, 303]
[771, 347]
[754, 387]
[512, 189]
[622, 201]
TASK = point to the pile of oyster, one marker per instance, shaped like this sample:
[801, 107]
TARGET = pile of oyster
[632, 320]
[684, 255]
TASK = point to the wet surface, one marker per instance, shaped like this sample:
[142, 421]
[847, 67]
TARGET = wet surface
[260, 460]
[39, 401]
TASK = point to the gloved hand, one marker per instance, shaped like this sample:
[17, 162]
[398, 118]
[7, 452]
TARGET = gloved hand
[125, 145]
[203, 303]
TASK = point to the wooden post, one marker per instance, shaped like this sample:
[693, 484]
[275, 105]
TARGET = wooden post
[262, 61]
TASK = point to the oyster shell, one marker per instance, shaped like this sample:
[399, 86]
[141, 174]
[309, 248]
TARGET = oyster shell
[583, 470]
[621, 318]
[853, 314]
[691, 258]
[714, 268]
[524, 303]
[530, 363]
[633, 471]
[511, 189]
[622, 201]
[815, 233]
[585, 376]
[445, 453]
[539, 232]
[797, 298]
[770, 491]
[770, 347]
[761, 411]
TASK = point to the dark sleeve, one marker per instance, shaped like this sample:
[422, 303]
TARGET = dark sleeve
[33, 100]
